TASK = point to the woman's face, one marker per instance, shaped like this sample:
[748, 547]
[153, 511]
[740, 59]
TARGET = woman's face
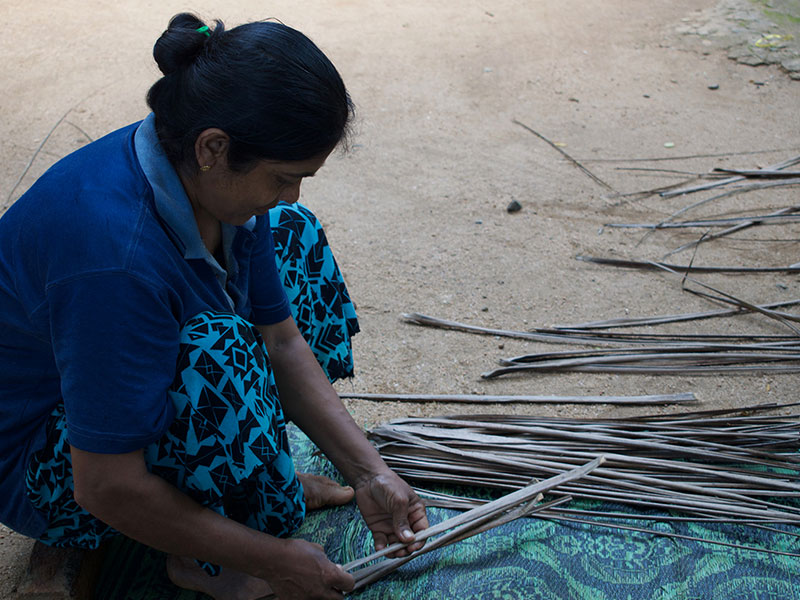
[234, 197]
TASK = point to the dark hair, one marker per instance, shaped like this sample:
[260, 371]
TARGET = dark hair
[266, 85]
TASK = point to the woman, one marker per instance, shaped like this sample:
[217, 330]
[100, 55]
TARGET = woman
[146, 328]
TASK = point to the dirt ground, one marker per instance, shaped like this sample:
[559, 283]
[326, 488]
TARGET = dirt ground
[416, 210]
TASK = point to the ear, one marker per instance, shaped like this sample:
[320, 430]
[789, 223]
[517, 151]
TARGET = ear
[211, 148]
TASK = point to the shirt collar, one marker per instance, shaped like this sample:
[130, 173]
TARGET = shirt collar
[171, 201]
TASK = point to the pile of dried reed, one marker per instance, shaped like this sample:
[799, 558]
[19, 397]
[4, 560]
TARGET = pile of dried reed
[723, 466]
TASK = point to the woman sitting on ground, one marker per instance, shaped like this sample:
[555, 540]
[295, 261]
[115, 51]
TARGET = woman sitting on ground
[165, 306]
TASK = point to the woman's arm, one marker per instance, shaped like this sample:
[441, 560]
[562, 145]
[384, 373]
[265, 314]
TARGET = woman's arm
[118, 490]
[390, 507]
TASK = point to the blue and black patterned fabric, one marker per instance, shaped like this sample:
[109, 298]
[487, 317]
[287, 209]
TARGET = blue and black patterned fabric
[320, 304]
[227, 447]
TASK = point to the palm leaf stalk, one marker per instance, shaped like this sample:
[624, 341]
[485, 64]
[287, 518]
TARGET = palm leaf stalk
[521, 399]
[728, 180]
[660, 359]
[592, 337]
[659, 320]
[779, 218]
[654, 266]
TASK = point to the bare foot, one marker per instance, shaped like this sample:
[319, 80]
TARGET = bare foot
[322, 491]
[228, 585]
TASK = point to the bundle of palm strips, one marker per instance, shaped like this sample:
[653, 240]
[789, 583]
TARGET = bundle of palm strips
[731, 466]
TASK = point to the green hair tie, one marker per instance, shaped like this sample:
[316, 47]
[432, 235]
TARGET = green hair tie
[204, 29]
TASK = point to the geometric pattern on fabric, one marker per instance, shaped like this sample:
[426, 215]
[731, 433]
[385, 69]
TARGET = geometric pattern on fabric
[325, 316]
[50, 489]
[226, 448]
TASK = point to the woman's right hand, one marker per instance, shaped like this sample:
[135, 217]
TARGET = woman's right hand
[303, 572]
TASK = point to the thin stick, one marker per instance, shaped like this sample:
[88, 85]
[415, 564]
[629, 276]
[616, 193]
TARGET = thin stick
[79, 128]
[481, 399]
[778, 218]
[725, 232]
[787, 163]
[586, 171]
[760, 173]
[651, 265]
[35, 154]
[640, 321]
[684, 157]
[586, 337]
[780, 317]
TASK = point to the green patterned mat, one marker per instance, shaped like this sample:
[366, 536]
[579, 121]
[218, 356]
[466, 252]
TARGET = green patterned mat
[525, 559]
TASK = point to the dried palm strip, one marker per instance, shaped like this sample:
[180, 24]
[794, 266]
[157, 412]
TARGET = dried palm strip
[372, 573]
[608, 491]
[736, 191]
[471, 520]
[595, 337]
[585, 337]
[626, 438]
[726, 232]
[760, 173]
[783, 318]
[687, 156]
[612, 459]
[473, 526]
[576, 439]
[738, 415]
[788, 349]
[654, 498]
[698, 188]
[692, 174]
[680, 363]
[694, 474]
[489, 399]
[739, 189]
[656, 370]
[659, 320]
[780, 218]
[420, 319]
[565, 155]
[497, 507]
[689, 494]
[522, 433]
[654, 266]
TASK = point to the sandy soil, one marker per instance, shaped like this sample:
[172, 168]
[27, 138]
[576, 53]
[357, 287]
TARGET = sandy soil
[416, 211]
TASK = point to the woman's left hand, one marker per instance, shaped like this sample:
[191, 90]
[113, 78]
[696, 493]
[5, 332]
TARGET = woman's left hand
[392, 511]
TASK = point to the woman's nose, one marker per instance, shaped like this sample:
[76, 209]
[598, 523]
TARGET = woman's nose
[290, 194]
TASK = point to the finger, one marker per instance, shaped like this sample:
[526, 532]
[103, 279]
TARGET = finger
[380, 540]
[419, 522]
[400, 523]
[419, 519]
[402, 529]
[344, 581]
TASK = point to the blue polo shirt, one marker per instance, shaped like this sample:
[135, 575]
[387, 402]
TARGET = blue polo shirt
[101, 264]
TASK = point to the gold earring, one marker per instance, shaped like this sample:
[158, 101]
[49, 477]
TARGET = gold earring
[205, 168]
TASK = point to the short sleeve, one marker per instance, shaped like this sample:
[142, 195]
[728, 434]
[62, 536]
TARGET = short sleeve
[116, 343]
[267, 296]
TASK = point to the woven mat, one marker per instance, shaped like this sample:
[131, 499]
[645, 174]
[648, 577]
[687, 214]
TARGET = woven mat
[526, 559]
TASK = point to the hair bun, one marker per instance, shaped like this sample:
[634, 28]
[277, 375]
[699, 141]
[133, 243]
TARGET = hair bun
[180, 44]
